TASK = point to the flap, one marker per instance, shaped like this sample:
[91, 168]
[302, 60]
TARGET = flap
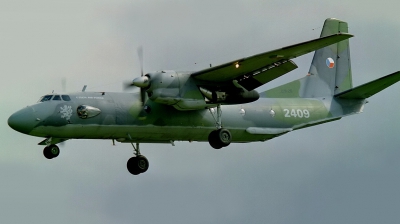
[262, 76]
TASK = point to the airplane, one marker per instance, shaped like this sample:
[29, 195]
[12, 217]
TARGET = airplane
[218, 104]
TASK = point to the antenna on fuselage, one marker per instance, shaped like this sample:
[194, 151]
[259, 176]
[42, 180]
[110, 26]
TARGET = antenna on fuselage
[84, 88]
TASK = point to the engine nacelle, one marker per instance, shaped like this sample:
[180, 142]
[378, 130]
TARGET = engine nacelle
[182, 91]
[164, 87]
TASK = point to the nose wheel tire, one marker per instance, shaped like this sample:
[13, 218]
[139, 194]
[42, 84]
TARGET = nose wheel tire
[51, 151]
[137, 165]
[219, 138]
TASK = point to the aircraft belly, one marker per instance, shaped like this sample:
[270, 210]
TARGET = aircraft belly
[149, 133]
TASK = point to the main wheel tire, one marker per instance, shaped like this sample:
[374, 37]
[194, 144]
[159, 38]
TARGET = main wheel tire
[46, 153]
[132, 167]
[137, 165]
[51, 151]
[213, 140]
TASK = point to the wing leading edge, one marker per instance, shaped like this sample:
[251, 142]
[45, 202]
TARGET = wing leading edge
[254, 71]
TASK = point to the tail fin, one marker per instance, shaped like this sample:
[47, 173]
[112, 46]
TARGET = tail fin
[330, 71]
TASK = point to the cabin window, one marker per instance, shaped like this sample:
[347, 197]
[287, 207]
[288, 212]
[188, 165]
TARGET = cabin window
[56, 97]
[65, 97]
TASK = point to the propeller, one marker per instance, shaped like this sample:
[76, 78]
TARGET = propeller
[143, 81]
[140, 55]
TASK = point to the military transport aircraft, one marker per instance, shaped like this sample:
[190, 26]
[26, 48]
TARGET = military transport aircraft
[218, 104]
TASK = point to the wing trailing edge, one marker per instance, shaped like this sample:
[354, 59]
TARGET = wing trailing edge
[371, 88]
[245, 67]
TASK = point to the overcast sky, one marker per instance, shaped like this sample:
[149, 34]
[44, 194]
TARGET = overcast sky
[342, 172]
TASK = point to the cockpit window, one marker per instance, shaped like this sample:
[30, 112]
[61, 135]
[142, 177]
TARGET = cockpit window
[56, 97]
[46, 98]
[65, 97]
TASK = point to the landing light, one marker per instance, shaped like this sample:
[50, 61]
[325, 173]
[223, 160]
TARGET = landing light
[237, 65]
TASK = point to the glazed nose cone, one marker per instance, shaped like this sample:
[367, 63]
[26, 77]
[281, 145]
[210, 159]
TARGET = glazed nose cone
[22, 120]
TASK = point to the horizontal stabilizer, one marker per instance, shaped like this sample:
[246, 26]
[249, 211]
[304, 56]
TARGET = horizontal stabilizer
[371, 88]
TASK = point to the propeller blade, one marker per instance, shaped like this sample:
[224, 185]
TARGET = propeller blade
[142, 96]
[141, 82]
[127, 85]
[140, 55]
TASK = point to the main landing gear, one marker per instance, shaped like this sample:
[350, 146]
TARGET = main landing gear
[138, 164]
[51, 151]
[221, 137]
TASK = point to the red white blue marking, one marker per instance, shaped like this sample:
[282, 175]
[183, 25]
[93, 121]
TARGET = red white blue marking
[330, 62]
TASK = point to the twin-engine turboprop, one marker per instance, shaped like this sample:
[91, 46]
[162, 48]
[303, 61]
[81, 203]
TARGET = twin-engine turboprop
[187, 106]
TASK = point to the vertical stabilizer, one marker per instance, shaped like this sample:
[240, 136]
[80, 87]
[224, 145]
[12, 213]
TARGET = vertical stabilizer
[330, 71]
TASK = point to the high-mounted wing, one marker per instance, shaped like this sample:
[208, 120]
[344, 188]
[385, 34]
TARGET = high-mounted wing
[254, 71]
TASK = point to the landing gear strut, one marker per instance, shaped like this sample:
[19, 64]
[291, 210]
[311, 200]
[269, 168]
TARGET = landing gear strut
[221, 137]
[51, 151]
[138, 164]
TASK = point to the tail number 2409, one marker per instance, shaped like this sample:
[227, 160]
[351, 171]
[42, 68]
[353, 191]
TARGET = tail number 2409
[297, 113]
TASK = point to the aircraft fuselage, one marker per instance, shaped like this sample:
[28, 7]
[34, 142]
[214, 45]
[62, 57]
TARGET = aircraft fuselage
[121, 116]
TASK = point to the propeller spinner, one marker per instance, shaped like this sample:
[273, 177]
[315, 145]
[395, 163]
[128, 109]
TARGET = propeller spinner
[141, 82]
